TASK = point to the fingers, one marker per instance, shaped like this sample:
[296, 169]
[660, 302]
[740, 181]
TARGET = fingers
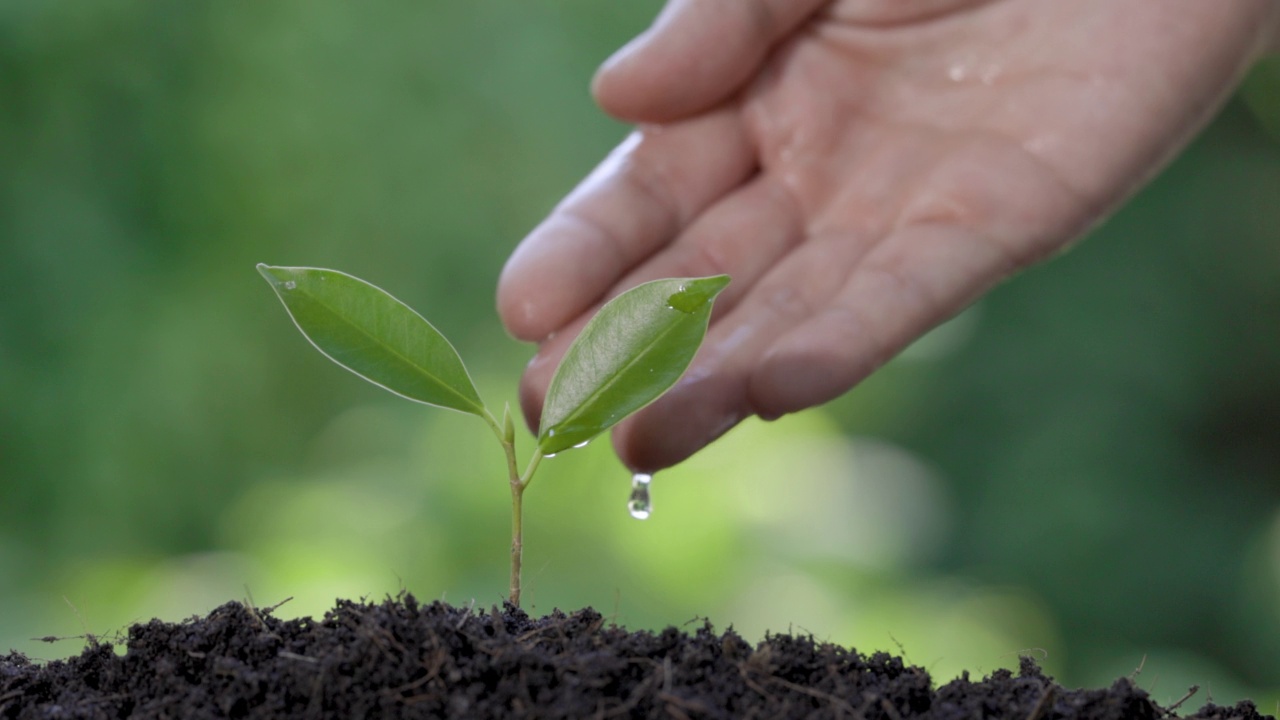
[915, 280]
[538, 373]
[743, 236]
[714, 395]
[636, 202]
[842, 302]
[824, 319]
[696, 55]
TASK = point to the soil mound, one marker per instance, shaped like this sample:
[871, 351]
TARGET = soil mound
[402, 659]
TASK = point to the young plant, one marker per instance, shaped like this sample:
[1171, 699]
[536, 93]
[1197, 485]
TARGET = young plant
[632, 351]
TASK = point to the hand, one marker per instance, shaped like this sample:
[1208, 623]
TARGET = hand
[864, 169]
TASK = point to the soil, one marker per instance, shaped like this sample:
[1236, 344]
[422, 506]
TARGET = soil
[402, 659]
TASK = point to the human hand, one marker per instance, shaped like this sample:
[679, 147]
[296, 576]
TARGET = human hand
[863, 169]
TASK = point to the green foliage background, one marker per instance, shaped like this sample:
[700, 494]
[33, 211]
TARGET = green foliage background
[1086, 465]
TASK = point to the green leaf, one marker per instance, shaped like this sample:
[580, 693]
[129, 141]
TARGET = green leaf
[630, 353]
[367, 331]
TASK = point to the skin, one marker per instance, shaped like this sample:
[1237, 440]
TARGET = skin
[864, 170]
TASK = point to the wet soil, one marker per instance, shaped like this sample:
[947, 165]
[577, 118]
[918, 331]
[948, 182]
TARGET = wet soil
[403, 659]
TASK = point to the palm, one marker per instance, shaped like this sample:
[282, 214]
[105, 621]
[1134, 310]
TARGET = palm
[864, 181]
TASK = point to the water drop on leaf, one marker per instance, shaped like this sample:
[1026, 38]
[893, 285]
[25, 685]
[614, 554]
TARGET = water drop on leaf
[690, 297]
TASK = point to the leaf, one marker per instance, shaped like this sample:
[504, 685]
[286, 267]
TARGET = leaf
[367, 331]
[630, 353]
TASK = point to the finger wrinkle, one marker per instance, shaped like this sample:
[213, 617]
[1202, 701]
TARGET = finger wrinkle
[789, 303]
[710, 260]
[789, 206]
[815, 363]
[905, 287]
[886, 14]
[651, 178]
[741, 236]
[614, 242]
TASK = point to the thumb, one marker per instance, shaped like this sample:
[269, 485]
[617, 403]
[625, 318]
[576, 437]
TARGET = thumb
[696, 54]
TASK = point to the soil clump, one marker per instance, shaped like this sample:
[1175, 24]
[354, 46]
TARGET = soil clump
[403, 659]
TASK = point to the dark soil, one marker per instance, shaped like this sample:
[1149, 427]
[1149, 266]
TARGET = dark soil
[403, 659]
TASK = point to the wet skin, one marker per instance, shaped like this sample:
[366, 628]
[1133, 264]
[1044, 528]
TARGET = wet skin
[864, 169]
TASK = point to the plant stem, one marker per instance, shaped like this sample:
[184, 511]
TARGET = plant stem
[518, 483]
[517, 539]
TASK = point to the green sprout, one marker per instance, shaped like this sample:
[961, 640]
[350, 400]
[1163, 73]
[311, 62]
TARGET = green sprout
[632, 351]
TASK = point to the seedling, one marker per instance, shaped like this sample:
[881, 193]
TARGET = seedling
[629, 354]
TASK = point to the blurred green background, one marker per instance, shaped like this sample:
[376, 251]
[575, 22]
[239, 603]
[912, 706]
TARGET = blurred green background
[1084, 466]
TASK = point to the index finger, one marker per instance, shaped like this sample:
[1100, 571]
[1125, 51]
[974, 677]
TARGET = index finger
[634, 204]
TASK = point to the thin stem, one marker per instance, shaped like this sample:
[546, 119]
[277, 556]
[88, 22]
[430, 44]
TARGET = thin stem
[508, 445]
[530, 468]
[518, 483]
[495, 426]
[517, 539]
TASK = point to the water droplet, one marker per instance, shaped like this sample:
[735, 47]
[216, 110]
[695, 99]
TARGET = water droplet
[582, 444]
[692, 296]
[549, 455]
[640, 506]
[290, 285]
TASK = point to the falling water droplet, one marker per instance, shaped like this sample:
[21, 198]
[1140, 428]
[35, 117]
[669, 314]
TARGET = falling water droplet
[640, 506]
[290, 285]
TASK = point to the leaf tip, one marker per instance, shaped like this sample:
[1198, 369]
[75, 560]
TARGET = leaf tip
[265, 271]
[280, 278]
[696, 292]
